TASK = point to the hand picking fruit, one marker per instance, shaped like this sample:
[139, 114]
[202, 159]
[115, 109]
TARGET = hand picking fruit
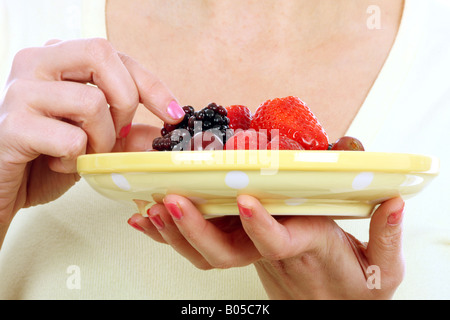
[278, 124]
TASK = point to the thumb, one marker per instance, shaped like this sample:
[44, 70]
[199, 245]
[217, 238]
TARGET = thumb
[385, 240]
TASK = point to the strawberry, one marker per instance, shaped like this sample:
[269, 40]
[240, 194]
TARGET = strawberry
[240, 117]
[247, 140]
[281, 142]
[293, 118]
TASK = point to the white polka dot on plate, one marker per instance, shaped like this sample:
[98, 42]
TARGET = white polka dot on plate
[120, 181]
[237, 179]
[362, 180]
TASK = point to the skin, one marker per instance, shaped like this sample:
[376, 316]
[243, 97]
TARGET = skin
[234, 61]
[303, 258]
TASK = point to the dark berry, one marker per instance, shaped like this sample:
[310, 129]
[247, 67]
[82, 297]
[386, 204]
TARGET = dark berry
[189, 110]
[191, 122]
[222, 111]
[213, 106]
[161, 143]
[218, 119]
[170, 127]
[176, 137]
[175, 140]
[206, 125]
[209, 113]
[200, 115]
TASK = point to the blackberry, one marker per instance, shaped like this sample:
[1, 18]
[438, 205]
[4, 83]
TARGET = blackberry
[176, 137]
[211, 117]
[189, 111]
[175, 140]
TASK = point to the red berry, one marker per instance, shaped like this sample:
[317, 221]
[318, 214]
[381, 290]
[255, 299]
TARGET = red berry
[281, 142]
[348, 144]
[240, 117]
[293, 118]
[247, 140]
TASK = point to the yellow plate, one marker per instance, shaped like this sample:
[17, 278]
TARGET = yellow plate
[342, 184]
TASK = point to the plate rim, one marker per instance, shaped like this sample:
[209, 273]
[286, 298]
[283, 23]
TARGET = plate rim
[246, 160]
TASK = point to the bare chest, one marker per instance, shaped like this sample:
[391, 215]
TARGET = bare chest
[333, 78]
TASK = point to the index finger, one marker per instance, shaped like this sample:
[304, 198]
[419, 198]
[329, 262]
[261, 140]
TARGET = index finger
[153, 93]
[278, 240]
[219, 248]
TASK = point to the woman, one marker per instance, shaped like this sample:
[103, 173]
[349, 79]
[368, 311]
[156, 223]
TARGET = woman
[352, 73]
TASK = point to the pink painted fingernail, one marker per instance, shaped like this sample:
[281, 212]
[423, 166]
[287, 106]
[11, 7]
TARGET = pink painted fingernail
[175, 111]
[125, 131]
[174, 210]
[396, 217]
[245, 212]
[157, 222]
[135, 225]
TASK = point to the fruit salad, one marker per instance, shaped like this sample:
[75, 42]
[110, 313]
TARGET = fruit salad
[277, 124]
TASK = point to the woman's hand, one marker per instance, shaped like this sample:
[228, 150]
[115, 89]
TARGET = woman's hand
[64, 100]
[297, 257]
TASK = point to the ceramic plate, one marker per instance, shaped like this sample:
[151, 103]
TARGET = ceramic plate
[342, 184]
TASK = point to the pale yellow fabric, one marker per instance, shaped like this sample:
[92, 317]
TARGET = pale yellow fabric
[83, 234]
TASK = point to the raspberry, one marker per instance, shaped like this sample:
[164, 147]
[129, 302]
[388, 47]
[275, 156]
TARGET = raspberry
[240, 117]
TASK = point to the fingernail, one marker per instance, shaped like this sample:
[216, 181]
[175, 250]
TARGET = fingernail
[174, 210]
[245, 212]
[395, 218]
[175, 111]
[157, 222]
[135, 225]
[125, 131]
